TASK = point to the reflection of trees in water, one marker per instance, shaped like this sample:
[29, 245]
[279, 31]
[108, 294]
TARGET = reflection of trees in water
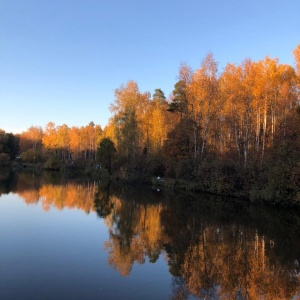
[8, 180]
[103, 204]
[28, 186]
[69, 195]
[52, 190]
[214, 250]
[235, 258]
[135, 233]
[229, 249]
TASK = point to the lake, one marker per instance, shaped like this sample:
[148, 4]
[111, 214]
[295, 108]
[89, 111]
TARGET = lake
[80, 239]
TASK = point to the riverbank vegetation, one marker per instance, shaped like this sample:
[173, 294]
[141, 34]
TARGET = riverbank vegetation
[233, 133]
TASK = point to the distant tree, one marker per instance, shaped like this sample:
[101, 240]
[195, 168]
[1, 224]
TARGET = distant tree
[9, 144]
[50, 137]
[13, 145]
[75, 142]
[159, 96]
[179, 102]
[31, 138]
[91, 134]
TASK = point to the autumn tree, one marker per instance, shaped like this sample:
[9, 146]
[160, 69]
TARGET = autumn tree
[110, 130]
[75, 142]
[156, 116]
[72, 143]
[183, 133]
[63, 141]
[203, 98]
[31, 138]
[49, 139]
[129, 118]
[256, 98]
[91, 135]
[274, 97]
[296, 53]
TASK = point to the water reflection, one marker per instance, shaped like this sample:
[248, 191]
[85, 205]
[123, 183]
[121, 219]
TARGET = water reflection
[52, 190]
[134, 226]
[215, 248]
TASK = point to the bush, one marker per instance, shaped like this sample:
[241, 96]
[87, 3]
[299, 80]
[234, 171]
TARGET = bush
[53, 163]
[32, 156]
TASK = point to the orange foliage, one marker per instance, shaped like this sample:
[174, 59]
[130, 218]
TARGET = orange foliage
[296, 53]
[31, 139]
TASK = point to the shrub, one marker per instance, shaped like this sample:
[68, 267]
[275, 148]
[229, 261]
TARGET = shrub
[53, 163]
[32, 156]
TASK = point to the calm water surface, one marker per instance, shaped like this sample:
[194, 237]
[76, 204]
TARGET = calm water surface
[74, 239]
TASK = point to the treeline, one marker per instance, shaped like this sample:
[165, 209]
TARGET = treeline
[57, 144]
[242, 112]
[53, 146]
[232, 132]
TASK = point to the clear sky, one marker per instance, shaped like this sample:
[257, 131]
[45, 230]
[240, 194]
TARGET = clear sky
[60, 60]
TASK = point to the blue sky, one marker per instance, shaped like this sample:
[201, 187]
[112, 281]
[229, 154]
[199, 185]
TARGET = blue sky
[60, 61]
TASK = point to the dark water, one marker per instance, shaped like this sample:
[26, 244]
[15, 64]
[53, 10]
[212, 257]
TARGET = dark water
[76, 239]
